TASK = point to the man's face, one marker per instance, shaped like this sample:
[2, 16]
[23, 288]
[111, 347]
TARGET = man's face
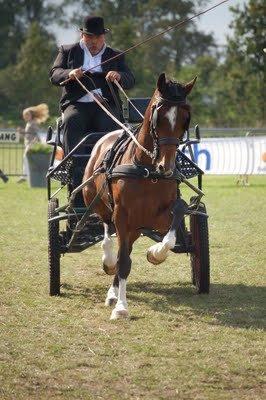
[94, 43]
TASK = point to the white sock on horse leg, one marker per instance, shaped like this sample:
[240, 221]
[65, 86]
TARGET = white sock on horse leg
[111, 297]
[120, 310]
[109, 257]
[159, 251]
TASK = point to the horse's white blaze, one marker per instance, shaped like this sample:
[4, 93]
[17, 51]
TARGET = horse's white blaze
[111, 295]
[109, 257]
[160, 250]
[120, 310]
[171, 116]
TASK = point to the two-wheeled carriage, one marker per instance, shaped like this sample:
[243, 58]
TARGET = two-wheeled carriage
[73, 227]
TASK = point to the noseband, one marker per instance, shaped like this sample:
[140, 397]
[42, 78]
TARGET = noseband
[165, 140]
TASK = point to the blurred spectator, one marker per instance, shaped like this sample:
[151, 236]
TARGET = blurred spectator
[243, 179]
[33, 116]
[3, 176]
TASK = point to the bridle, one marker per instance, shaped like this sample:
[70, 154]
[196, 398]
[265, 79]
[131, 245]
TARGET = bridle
[165, 140]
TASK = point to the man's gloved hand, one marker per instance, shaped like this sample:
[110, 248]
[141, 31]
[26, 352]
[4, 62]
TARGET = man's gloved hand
[112, 76]
[78, 72]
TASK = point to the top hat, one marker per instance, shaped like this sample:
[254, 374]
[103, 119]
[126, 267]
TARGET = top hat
[93, 26]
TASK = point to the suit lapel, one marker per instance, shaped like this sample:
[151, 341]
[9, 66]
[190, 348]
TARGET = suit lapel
[106, 55]
[78, 57]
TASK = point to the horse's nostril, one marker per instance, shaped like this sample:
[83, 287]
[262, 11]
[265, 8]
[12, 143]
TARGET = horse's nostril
[161, 168]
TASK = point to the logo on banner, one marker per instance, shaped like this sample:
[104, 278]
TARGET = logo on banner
[9, 137]
[202, 154]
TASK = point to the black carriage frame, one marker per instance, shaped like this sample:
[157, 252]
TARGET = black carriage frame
[78, 235]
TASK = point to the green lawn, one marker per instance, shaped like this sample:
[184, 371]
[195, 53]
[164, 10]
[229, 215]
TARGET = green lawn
[176, 344]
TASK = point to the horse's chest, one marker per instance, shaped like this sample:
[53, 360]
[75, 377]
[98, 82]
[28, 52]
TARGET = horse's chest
[145, 201]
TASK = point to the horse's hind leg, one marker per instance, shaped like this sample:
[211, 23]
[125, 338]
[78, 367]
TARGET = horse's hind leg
[112, 293]
[109, 257]
[109, 260]
[124, 267]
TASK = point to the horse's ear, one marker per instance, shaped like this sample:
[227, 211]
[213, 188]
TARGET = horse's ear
[161, 82]
[189, 85]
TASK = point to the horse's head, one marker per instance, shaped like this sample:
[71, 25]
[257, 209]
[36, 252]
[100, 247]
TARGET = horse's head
[169, 116]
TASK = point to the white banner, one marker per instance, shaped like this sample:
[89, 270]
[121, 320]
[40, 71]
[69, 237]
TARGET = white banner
[234, 156]
[8, 136]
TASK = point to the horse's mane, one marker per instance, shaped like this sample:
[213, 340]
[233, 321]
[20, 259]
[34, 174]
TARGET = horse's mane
[173, 90]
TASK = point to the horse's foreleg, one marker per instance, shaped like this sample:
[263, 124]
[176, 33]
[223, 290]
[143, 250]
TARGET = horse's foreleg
[109, 257]
[158, 253]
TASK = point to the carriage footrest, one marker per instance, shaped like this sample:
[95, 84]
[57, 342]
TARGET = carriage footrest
[90, 234]
[179, 248]
[83, 244]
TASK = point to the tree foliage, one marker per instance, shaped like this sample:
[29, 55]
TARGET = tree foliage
[134, 21]
[15, 19]
[230, 90]
[244, 71]
[26, 83]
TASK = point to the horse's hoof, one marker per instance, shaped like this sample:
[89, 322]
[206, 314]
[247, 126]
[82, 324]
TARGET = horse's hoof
[152, 259]
[119, 314]
[109, 270]
[110, 301]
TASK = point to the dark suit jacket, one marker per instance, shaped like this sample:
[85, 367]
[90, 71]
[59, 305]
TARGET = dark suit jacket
[71, 57]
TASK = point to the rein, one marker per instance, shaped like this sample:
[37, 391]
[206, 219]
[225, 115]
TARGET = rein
[124, 127]
[157, 141]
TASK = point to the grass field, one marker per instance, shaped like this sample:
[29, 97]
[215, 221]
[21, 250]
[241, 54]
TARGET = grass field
[176, 344]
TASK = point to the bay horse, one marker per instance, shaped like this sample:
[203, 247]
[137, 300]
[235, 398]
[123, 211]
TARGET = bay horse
[147, 201]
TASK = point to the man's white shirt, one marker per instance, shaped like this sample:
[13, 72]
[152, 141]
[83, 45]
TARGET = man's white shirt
[91, 61]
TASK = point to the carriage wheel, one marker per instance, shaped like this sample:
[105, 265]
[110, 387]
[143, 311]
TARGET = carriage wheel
[54, 249]
[200, 260]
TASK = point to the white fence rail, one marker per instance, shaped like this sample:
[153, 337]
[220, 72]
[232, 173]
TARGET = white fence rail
[214, 155]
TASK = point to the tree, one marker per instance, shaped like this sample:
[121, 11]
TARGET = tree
[26, 83]
[244, 71]
[203, 98]
[135, 20]
[15, 19]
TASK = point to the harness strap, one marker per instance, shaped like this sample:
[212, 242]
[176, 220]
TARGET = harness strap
[140, 171]
[128, 99]
[169, 141]
[118, 107]
[116, 151]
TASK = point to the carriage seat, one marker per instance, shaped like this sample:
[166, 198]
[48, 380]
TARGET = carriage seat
[83, 153]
